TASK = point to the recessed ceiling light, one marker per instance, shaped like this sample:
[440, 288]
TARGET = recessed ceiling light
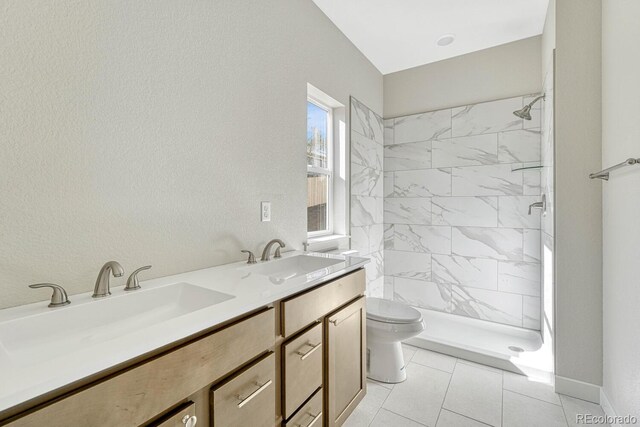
[445, 40]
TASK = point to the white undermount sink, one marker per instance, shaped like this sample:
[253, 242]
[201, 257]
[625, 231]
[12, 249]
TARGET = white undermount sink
[60, 331]
[280, 270]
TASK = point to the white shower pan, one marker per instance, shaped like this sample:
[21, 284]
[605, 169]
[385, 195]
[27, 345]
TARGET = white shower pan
[485, 342]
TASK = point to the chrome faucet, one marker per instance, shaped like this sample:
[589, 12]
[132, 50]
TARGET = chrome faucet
[267, 249]
[539, 205]
[102, 288]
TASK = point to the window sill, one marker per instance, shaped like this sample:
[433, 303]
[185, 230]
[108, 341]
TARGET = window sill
[327, 243]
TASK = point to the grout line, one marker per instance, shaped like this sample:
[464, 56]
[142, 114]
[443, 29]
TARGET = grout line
[531, 397]
[467, 417]
[405, 417]
[444, 399]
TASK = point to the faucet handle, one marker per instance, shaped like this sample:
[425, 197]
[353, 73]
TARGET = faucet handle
[132, 281]
[252, 257]
[59, 296]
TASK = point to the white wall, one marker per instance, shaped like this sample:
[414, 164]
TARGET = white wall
[149, 132]
[578, 204]
[499, 72]
[621, 203]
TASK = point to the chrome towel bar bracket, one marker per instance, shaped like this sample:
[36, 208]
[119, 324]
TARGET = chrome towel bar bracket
[604, 174]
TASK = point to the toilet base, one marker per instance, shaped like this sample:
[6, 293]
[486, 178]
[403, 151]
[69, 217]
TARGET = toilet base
[387, 365]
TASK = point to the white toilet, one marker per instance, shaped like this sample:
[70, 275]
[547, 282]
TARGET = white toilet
[389, 323]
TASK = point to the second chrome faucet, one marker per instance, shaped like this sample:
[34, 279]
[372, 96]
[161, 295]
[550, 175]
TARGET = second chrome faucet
[103, 288]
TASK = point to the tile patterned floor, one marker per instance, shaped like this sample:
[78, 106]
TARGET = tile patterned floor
[442, 391]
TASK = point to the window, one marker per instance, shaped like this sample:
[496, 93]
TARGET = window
[319, 168]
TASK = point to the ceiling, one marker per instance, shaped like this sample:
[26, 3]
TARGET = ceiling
[401, 34]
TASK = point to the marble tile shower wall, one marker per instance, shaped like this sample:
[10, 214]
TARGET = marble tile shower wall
[457, 235]
[367, 229]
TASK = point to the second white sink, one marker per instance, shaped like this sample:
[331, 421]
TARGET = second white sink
[280, 270]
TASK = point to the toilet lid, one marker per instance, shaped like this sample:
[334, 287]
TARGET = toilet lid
[391, 311]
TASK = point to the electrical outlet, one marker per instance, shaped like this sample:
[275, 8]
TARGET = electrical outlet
[265, 211]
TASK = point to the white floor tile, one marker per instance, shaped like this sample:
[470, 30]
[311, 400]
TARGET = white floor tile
[574, 407]
[530, 387]
[476, 393]
[387, 419]
[420, 397]
[523, 411]
[481, 366]
[451, 419]
[366, 411]
[434, 360]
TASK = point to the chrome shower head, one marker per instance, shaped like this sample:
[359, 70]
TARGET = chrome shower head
[525, 112]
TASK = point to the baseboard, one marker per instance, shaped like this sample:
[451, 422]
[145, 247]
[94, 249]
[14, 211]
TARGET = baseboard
[607, 407]
[578, 389]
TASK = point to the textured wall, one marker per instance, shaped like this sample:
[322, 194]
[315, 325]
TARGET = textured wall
[149, 132]
[621, 203]
[499, 72]
[366, 192]
[457, 234]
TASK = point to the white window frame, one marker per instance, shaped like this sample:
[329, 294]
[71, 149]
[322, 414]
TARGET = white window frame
[328, 171]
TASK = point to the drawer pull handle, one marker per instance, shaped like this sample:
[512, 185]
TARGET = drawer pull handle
[335, 322]
[308, 353]
[259, 390]
[190, 421]
[314, 420]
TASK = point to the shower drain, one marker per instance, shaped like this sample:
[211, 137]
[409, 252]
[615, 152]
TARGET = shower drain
[516, 349]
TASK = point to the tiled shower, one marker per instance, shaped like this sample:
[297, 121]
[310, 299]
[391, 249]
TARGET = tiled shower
[452, 188]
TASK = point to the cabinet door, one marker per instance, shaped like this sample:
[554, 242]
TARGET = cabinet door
[248, 398]
[345, 356]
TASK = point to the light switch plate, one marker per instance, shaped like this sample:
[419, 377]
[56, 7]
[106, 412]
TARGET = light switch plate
[265, 211]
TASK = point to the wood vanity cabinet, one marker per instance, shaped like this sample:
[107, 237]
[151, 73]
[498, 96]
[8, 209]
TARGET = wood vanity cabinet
[331, 316]
[298, 363]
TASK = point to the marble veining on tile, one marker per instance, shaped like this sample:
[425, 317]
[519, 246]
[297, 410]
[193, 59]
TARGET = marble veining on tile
[465, 211]
[494, 243]
[422, 183]
[465, 151]
[489, 180]
[412, 155]
[412, 265]
[423, 294]
[365, 122]
[367, 191]
[487, 117]
[472, 272]
[420, 238]
[519, 146]
[487, 305]
[366, 181]
[422, 127]
[407, 210]
[519, 278]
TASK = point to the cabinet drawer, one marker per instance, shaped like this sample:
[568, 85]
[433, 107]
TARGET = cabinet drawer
[182, 416]
[310, 415]
[304, 309]
[140, 393]
[248, 398]
[302, 359]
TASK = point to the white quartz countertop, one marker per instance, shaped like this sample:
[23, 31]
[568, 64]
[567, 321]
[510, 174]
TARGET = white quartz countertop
[47, 371]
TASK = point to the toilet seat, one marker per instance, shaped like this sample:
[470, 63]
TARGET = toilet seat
[386, 311]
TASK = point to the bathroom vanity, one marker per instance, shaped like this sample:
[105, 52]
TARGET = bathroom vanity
[298, 360]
